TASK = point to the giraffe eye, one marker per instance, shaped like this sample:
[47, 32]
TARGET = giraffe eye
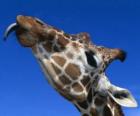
[91, 59]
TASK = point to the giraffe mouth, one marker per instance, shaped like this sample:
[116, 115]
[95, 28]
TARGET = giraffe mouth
[14, 26]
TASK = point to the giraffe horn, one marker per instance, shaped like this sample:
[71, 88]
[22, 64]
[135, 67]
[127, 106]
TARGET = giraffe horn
[10, 29]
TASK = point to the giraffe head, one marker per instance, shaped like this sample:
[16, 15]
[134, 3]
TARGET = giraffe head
[86, 57]
[31, 31]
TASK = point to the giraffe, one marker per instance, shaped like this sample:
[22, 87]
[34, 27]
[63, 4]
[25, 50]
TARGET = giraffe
[74, 66]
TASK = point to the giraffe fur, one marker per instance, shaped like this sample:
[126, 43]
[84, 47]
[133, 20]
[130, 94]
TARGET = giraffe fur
[74, 66]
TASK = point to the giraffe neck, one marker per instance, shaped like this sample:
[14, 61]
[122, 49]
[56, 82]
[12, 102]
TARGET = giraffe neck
[65, 63]
[97, 105]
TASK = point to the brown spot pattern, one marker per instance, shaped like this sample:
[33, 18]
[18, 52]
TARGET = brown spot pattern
[80, 97]
[67, 95]
[48, 46]
[77, 87]
[85, 80]
[117, 108]
[88, 86]
[64, 80]
[59, 60]
[56, 69]
[90, 96]
[62, 41]
[93, 112]
[98, 101]
[83, 104]
[107, 111]
[73, 71]
[69, 55]
[51, 35]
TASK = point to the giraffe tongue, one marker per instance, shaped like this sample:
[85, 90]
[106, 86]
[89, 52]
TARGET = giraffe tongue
[10, 29]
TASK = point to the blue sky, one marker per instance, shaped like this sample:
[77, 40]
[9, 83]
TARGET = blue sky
[113, 23]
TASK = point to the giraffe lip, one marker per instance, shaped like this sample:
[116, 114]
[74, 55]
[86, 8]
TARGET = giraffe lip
[12, 27]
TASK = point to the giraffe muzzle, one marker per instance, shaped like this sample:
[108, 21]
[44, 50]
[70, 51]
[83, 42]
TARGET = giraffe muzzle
[25, 22]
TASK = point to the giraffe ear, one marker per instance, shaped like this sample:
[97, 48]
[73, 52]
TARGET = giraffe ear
[122, 96]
